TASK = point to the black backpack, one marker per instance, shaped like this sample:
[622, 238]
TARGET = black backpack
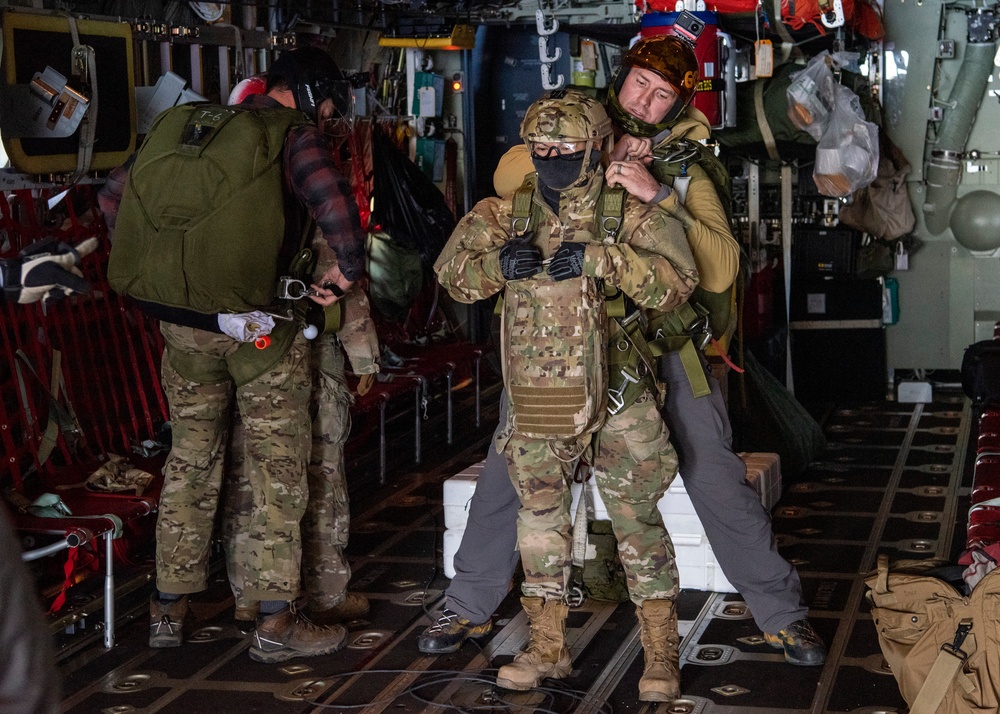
[981, 372]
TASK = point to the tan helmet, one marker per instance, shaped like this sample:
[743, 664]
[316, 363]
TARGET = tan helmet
[566, 115]
[671, 58]
[570, 116]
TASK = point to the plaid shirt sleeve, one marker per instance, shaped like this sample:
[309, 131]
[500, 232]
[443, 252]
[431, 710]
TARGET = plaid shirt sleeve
[109, 198]
[326, 194]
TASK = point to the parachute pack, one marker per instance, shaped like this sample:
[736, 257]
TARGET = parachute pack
[202, 221]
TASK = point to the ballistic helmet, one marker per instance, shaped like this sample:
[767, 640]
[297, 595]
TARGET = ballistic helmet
[574, 120]
[312, 76]
[566, 115]
[671, 58]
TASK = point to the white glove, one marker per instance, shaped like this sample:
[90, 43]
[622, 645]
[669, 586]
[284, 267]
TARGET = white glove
[47, 270]
[246, 326]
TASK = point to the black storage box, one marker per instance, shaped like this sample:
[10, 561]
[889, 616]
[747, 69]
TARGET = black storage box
[838, 340]
[824, 252]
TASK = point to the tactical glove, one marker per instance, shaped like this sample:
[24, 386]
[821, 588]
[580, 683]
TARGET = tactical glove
[519, 259]
[568, 261]
[246, 326]
[48, 270]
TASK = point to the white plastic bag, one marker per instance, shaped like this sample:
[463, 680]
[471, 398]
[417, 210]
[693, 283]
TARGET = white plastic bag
[811, 96]
[847, 154]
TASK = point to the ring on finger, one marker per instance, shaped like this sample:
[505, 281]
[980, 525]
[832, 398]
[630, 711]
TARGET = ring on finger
[619, 168]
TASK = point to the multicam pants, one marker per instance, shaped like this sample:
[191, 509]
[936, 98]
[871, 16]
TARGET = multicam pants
[276, 418]
[634, 466]
[325, 570]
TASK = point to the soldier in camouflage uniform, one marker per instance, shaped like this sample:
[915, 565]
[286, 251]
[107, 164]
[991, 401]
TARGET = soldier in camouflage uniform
[650, 262]
[659, 159]
[325, 570]
[210, 356]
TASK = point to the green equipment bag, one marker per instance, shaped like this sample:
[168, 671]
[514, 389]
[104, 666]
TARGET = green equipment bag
[395, 275]
[202, 221]
[940, 645]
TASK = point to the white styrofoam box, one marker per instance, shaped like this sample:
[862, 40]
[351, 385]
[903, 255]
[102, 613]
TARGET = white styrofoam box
[452, 539]
[458, 492]
[696, 563]
[675, 502]
[697, 567]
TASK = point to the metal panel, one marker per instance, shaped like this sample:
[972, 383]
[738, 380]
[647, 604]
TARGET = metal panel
[936, 309]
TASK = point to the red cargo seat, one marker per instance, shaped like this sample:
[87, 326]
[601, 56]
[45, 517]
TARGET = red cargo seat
[377, 399]
[451, 361]
[84, 371]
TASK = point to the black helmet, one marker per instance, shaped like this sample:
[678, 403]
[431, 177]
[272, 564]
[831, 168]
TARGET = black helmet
[311, 76]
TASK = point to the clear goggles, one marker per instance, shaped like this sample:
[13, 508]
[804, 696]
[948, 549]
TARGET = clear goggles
[551, 149]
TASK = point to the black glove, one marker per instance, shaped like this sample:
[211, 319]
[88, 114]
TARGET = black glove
[568, 261]
[519, 259]
[47, 269]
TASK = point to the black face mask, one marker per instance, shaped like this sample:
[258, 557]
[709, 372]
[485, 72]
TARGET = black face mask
[560, 172]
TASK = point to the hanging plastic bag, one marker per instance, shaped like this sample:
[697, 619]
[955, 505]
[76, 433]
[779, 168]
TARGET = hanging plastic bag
[811, 96]
[812, 92]
[847, 155]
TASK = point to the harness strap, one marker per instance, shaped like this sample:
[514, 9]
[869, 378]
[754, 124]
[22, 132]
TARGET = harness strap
[674, 332]
[522, 213]
[610, 211]
[765, 129]
[574, 593]
[84, 61]
[630, 364]
[951, 657]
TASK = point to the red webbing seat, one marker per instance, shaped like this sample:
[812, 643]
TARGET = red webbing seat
[79, 380]
[377, 399]
[455, 362]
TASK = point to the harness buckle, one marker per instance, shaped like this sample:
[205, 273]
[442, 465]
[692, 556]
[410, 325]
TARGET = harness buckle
[616, 397]
[700, 333]
[290, 288]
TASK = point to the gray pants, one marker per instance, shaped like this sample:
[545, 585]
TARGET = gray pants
[737, 524]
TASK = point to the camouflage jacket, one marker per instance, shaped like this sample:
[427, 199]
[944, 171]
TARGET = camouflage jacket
[651, 261]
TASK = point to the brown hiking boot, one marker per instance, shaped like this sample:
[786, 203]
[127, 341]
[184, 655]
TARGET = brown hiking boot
[354, 606]
[288, 634]
[166, 621]
[661, 678]
[546, 654]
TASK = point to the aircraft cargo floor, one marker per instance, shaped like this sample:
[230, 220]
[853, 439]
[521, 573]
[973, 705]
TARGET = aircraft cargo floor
[891, 481]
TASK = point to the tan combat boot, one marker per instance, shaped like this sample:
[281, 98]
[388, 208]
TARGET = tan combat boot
[661, 679]
[546, 654]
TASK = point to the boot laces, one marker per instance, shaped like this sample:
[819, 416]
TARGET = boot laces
[167, 623]
[447, 618]
[304, 622]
